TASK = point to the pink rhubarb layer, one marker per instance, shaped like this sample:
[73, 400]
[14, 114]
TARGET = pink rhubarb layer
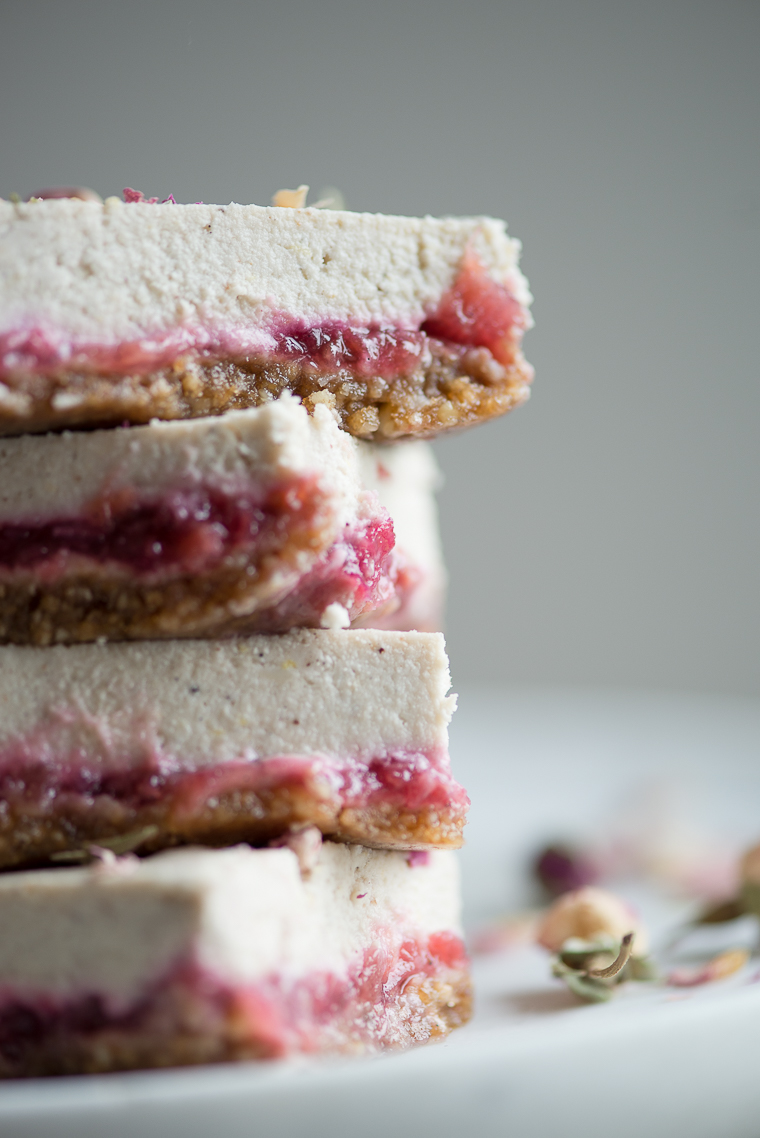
[403, 991]
[53, 800]
[251, 543]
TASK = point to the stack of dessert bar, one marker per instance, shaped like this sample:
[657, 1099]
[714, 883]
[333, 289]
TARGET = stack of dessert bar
[226, 807]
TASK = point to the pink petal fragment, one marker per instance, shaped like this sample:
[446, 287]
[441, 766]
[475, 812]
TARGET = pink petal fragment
[721, 966]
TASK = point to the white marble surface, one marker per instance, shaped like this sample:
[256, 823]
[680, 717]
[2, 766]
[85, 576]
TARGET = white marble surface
[654, 1062]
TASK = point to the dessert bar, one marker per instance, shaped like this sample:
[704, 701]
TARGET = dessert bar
[130, 311]
[147, 745]
[252, 521]
[198, 956]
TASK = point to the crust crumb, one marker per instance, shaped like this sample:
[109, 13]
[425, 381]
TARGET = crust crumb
[291, 199]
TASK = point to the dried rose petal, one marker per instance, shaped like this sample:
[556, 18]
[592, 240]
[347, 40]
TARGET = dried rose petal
[131, 196]
[725, 964]
[510, 932]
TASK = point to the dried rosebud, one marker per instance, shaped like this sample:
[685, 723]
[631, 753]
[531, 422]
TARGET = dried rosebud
[561, 869]
[590, 914]
[589, 973]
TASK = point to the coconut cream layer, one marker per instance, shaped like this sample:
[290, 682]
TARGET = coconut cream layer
[102, 274]
[345, 694]
[239, 914]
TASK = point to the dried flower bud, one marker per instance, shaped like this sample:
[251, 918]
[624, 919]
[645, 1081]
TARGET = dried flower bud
[590, 914]
[561, 869]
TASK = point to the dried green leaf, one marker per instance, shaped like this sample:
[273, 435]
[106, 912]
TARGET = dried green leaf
[750, 897]
[641, 968]
[73, 857]
[724, 911]
[127, 843]
[587, 988]
[584, 954]
[119, 845]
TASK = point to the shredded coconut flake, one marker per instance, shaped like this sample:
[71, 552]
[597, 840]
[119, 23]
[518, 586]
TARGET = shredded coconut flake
[334, 617]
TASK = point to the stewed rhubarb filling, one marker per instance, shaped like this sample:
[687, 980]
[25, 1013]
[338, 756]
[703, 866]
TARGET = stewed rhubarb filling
[404, 989]
[208, 548]
[182, 531]
[53, 800]
[191, 532]
[362, 572]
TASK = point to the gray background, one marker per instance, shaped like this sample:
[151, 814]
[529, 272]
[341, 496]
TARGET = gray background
[606, 533]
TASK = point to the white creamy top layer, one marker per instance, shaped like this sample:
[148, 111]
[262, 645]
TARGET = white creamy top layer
[111, 272]
[44, 476]
[346, 694]
[243, 914]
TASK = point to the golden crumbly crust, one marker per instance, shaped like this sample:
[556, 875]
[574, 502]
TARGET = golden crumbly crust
[455, 389]
[184, 1029]
[86, 608]
[30, 837]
